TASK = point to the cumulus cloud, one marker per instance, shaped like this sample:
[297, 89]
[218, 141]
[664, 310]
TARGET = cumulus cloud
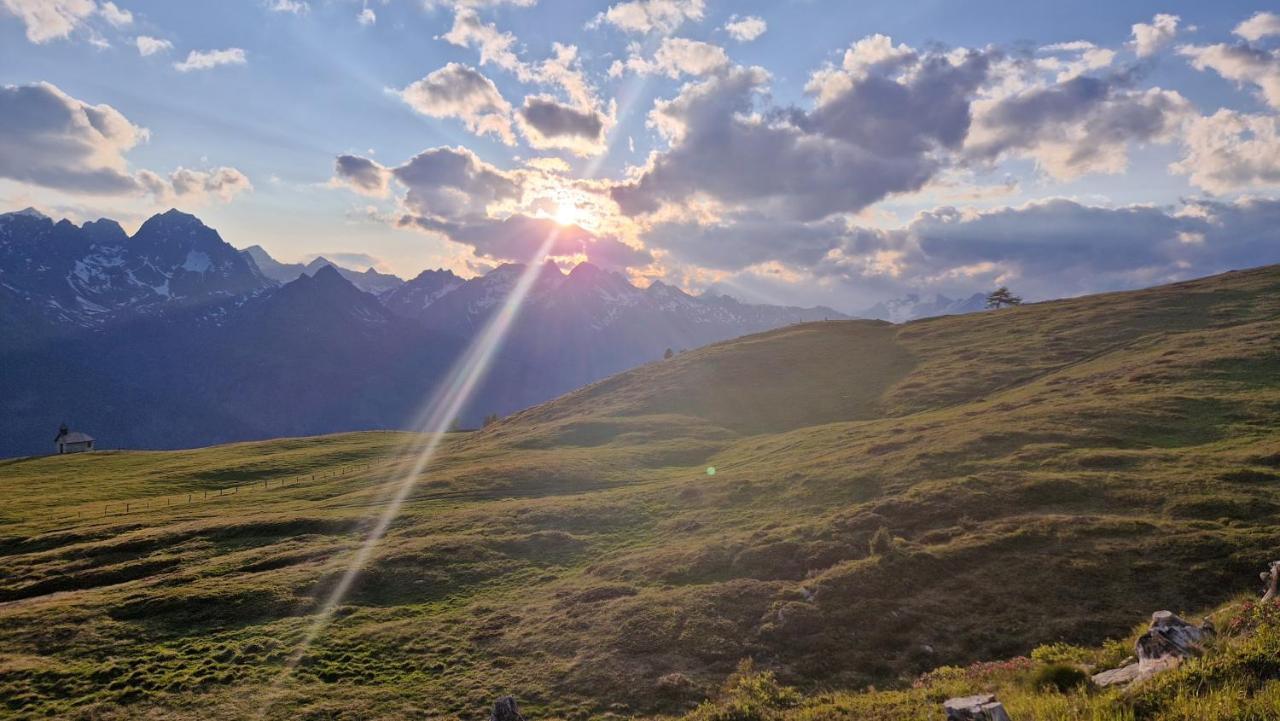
[1243, 63]
[206, 59]
[115, 15]
[1149, 38]
[549, 124]
[366, 16]
[47, 20]
[361, 175]
[646, 16]
[1230, 151]
[578, 125]
[1261, 25]
[878, 127]
[51, 139]
[453, 183]
[1082, 125]
[460, 91]
[148, 45]
[195, 187]
[675, 57]
[745, 29]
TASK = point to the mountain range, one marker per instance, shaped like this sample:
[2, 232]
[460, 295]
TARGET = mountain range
[171, 337]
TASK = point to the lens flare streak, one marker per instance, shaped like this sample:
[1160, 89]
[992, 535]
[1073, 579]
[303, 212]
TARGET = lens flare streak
[436, 419]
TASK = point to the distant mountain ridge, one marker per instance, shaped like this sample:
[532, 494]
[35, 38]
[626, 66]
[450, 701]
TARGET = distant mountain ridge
[370, 281]
[915, 306]
[171, 337]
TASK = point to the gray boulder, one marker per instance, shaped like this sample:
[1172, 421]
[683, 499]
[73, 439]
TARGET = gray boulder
[983, 707]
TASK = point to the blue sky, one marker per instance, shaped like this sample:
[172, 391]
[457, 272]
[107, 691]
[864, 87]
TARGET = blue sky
[757, 147]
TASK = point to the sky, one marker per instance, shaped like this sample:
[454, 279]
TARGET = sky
[793, 151]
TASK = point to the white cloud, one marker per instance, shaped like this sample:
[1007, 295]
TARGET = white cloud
[205, 59]
[745, 29]
[195, 187]
[297, 7]
[148, 45]
[47, 20]
[545, 122]
[645, 16]
[1231, 151]
[675, 57]
[1243, 63]
[367, 17]
[1149, 38]
[1261, 25]
[459, 91]
[115, 15]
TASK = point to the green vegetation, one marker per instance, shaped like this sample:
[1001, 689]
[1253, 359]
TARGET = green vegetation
[886, 500]
[1238, 679]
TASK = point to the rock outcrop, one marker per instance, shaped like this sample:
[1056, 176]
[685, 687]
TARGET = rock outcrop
[1168, 641]
[1271, 577]
[983, 707]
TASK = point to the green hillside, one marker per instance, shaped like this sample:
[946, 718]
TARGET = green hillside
[885, 500]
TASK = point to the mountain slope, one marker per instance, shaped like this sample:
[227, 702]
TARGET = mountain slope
[846, 502]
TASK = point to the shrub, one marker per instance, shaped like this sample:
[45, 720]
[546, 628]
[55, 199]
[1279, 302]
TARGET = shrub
[1059, 677]
[748, 695]
[1058, 653]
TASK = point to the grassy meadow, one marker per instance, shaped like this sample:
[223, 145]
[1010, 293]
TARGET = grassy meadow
[886, 501]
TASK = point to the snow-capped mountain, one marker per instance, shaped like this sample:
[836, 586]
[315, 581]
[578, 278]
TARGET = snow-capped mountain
[172, 337]
[93, 274]
[915, 306]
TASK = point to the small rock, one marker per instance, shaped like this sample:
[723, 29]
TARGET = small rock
[983, 707]
[1117, 676]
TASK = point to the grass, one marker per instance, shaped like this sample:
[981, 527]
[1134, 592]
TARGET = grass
[887, 500]
[1237, 679]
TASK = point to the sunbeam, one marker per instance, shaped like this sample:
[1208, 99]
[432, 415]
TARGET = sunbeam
[435, 420]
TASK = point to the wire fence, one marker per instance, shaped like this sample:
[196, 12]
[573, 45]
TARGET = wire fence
[106, 509]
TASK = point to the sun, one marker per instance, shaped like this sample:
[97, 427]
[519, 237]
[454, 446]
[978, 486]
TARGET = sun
[568, 213]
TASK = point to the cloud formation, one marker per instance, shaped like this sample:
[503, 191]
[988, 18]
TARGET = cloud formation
[646, 16]
[51, 139]
[47, 20]
[549, 124]
[1150, 38]
[1260, 25]
[206, 59]
[148, 45]
[1243, 63]
[1083, 125]
[460, 91]
[745, 29]
[674, 58]
[1232, 151]
[878, 125]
